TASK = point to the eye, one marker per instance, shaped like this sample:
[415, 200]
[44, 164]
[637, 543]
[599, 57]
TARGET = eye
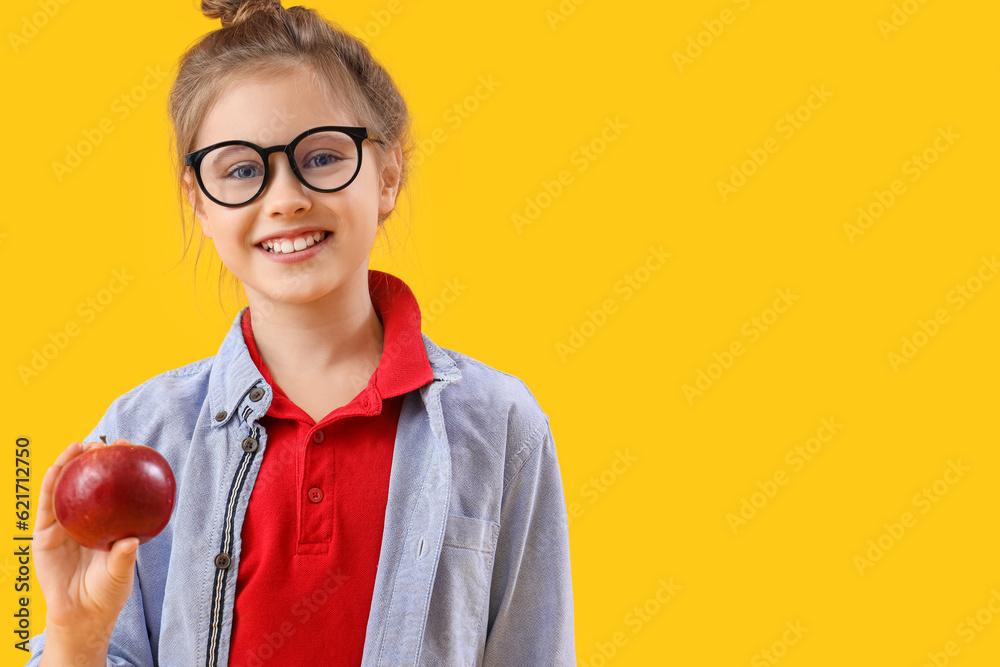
[244, 171]
[319, 160]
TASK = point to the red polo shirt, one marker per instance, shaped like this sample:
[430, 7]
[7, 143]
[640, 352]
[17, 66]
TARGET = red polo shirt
[313, 529]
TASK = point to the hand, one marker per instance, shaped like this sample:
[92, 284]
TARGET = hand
[84, 590]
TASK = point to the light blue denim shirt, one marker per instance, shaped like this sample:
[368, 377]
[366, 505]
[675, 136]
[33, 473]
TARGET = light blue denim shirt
[474, 567]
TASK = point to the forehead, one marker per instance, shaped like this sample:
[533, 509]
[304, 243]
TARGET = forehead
[269, 111]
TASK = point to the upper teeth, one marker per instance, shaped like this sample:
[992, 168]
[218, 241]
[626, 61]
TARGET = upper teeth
[293, 244]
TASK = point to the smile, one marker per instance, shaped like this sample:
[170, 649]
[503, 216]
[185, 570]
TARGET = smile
[287, 246]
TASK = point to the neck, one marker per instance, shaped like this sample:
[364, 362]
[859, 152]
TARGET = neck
[303, 340]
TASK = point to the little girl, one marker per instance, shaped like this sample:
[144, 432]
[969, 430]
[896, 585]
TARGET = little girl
[348, 492]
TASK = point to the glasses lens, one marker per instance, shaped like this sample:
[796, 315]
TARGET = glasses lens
[327, 160]
[232, 174]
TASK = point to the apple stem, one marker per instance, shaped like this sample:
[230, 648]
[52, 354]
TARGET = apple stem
[104, 439]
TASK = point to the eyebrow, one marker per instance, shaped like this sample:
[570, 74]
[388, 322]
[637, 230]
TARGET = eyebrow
[221, 154]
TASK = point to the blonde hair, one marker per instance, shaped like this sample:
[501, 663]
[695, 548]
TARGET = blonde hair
[260, 38]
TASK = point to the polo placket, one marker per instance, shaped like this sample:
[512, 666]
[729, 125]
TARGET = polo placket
[317, 506]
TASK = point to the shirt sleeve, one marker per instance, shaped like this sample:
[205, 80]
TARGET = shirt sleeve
[129, 645]
[531, 598]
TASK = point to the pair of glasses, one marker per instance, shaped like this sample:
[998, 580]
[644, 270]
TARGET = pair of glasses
[234, 173]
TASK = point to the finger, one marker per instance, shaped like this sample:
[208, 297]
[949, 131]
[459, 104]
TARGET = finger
[92, 445]
[120, 441]
[121, 559]
[46, 515]
[72, 451]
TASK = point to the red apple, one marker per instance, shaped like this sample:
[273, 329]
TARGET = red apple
[114, 491]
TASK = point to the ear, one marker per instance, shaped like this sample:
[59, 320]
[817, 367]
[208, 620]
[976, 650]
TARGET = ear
[191, 192]
[389, 179]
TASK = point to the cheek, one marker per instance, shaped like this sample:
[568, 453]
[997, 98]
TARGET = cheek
[228, 232]
[367, 183]
[358, 204]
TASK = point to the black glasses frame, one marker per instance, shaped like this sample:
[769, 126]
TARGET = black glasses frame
[359, 134]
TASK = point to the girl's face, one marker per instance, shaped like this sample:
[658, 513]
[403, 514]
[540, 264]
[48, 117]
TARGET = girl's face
[275, 111]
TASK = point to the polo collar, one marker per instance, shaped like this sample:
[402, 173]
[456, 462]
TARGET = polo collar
[234, 374]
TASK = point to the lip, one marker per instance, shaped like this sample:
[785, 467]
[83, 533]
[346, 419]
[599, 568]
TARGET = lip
[299, 255]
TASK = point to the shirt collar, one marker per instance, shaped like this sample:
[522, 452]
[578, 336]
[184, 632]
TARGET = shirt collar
[409, 359]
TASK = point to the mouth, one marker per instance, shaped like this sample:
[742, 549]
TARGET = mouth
[289, 245]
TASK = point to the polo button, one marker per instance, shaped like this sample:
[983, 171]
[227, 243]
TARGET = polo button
[249, 445]
[256, 394]
[318, 437]
[315, 494]
[222, 561]
[221, 416]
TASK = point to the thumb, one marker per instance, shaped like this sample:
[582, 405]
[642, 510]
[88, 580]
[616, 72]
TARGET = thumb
[121, 560]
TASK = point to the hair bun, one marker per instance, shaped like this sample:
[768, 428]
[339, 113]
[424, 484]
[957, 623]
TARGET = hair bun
[232, 12]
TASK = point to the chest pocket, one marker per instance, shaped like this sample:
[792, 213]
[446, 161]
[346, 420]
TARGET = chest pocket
[456, 621]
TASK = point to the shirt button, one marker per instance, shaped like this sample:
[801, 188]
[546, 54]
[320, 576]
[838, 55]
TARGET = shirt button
[221, 416]
[318, 437]
[249, 445]
[256, 394]
[222, 561]
[315, 494]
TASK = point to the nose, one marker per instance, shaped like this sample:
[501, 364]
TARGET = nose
[284, 195]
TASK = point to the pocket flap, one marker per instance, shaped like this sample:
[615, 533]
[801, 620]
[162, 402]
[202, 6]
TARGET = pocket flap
[467, 533]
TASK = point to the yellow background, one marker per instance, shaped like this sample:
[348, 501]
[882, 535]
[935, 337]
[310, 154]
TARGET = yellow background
[663, 516]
